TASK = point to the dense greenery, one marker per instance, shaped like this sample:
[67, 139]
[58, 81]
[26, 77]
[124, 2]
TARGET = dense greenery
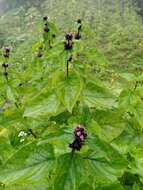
[71, 99]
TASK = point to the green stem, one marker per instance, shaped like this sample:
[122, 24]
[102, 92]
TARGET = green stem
[136, 84]
[67, 68]
[32, 133]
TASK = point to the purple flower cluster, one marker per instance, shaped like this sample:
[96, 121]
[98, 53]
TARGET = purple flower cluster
[68, 44]
[69, 36]
[5, 65]
[6, 52]
[80, 136]
[80, 133]
[46, 28]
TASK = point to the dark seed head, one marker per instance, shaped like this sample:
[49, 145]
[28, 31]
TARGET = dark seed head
[45, 18]
[46, 29]
[41, 47]
[79, 21]
[5, 73]
[68, 36]
[77, 36]
[53, 35]
[5, 65]
[39, 54]
[68, 46]
[6, 55]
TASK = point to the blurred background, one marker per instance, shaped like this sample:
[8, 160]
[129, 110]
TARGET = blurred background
[113, 26]
[18, 17]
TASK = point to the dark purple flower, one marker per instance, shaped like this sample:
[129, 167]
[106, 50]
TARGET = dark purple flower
[80, 133]
[69, 36]
[76, 145]
[7, 50]
[68, 45]
[80, 136]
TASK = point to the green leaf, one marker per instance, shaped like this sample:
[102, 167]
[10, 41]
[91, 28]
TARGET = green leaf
[97, 96]
[5, 149]
[136, 187]
[106, 132]
[107, 163]
[28, 165]
[49, 106]
[70, 172]
[70, 90]
[102, 165]
[10, 94]
[85, 186]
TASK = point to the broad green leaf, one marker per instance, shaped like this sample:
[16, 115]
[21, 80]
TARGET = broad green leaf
[107, 132]
[49, 106]
[97, 96]
[128, 100]
[107, 162]
[137, 162]
[70, 172]
[70, 90]
[28, 165]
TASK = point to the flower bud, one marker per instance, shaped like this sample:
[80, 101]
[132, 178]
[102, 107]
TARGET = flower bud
[5, 73]
[79, 21]
[45, 18]
[46, 29]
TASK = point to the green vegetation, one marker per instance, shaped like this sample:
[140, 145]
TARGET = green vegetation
[71, 96]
